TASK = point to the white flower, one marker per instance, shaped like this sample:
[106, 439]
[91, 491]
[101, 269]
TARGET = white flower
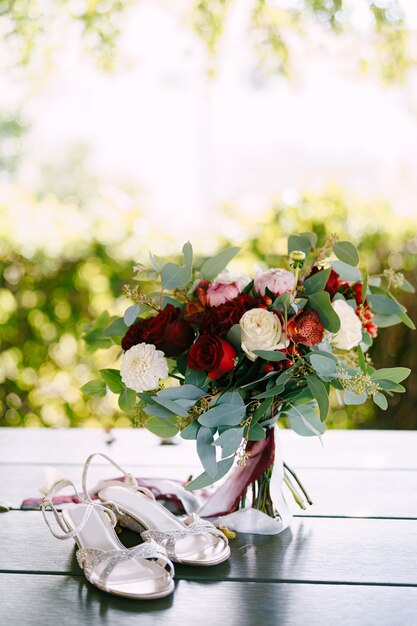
[276, 280]
[143, 366]
[350, 333]
[261, 330]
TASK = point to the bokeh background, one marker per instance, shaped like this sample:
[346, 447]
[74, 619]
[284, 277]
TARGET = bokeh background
[134, 125]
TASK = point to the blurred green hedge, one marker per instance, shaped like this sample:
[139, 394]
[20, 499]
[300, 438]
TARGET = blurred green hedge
[46, 301]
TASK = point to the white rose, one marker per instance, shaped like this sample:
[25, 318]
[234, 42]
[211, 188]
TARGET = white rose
[350, 333]
[261, 330]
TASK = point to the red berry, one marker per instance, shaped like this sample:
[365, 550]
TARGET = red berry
[268, 368]
[267, 301]
[262, 306]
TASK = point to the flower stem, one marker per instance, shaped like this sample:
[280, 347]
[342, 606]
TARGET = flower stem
[299, 483]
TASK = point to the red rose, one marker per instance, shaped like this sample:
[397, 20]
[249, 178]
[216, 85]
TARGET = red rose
[167, 330]
[306, 328]
[212, 354]
[218, 320]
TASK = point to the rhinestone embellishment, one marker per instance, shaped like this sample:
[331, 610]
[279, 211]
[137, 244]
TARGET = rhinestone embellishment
[168, 538]
[90, 558]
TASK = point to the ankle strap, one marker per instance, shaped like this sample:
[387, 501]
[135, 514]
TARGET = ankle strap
[130, 480]
[68, 533]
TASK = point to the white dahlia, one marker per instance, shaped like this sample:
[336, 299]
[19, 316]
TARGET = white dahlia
[143, 366]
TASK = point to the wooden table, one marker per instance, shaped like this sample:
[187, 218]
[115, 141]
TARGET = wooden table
[351, 559]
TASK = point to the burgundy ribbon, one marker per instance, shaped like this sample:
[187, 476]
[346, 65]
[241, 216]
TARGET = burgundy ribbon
[216, 502]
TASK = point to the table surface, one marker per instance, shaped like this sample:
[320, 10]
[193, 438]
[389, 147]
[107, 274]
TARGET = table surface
[350, 559]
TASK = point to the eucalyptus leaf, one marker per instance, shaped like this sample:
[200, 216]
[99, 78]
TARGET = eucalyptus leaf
[324, 366]
[262, 409]
[176, 408]
[271, 355]
[223, 415]
[184, 392]
[206, 451]
[196, 378]
[317, 282]
[175, 276]
[214, 266]
[406, 286]
[204, 480]
[231, 397]
[384, 321]
[256, 433]
[388, 385]
[319, 393]
[190, 431]
[282, 302]
[95, 388]
[346, 271]
[298, 242]
[346, 252]
[131, 314]
[229, 441]
[159, 411]
[234, 336]
[116, 329]
[276, 390]
[328, 317]
[127, 400]
[354, 399]
[305, 421]
[380, 400]
[406, 320]
[384, 304]
[157, 262]
[394, 374]
[312, 237]
[161, 428]
[113, 380]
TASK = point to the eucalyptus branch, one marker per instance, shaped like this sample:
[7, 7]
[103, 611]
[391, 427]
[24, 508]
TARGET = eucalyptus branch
[137, 297]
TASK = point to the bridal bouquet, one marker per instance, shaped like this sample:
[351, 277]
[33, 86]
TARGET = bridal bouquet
[220, 356]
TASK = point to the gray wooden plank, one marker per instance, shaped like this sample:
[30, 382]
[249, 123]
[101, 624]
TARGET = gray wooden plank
[312, 550]
[19, 482]
[341, 449]
[71, 601]
[335, 492]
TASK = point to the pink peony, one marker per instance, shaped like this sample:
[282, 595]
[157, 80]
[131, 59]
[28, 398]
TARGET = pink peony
[219, 293]
[276, 280]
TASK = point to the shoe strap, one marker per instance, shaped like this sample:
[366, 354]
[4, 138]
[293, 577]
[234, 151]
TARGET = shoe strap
[129, 481]
[194, 525]
[90, 558]
[68, 533]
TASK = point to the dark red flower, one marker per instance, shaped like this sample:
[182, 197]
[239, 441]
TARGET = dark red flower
[306, 328]
[219, 320]
[213, 355]
[357, 290]
[167, 330]
[363, 311]
[201, 291]
[333, 282]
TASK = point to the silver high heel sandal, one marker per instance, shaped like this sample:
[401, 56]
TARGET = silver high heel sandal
[193, 541]
[143, 572]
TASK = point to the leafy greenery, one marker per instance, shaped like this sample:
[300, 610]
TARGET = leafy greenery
[273, 29]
